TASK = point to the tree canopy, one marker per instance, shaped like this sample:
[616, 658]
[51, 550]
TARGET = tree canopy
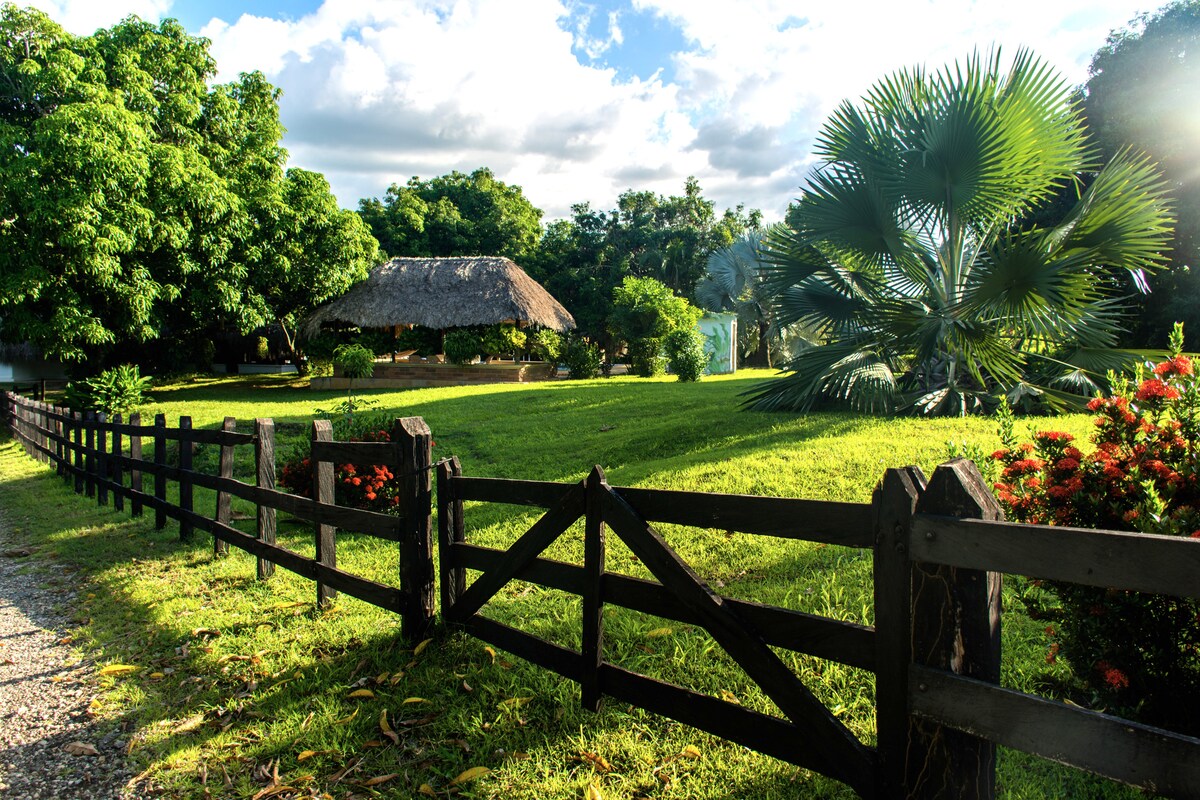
[137, 202]
[1143, 92]
[454, 215]
[908, 255]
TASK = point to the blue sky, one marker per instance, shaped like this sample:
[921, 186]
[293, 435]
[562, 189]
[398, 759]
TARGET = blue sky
[578, 101]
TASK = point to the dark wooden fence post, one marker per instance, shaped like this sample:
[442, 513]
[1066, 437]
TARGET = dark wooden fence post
[224, 500]
[415, 444]
[955, 627]
[186, 448]
[894, 501]
[264, 467]
[43, 431]
[60, 449]
[101, 459]
[326, 535]
[118, 473]
[89, 426]
[451, 531]
[135, 474]
[77, 426]
[593, 595]
[160, 477]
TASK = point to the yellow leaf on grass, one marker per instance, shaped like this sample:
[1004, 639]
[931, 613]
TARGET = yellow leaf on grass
[381, 677]
[190, 724]
[469, 775]
[378, 779]
[307, 754]
[491, 652]
[399, 676]
[427, 790]
[421, 647]
[157, 675]
[730, 697]
[383, 723]
[409, 700]
[282, 606]
[345, 720]
[691, 751]
[593, 792]
[657, 632]
[365, 693]
[515, 701]
[119, 669]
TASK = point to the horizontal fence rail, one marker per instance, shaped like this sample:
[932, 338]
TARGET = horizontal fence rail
[103, 457]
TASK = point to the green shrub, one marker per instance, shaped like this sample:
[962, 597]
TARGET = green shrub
[685, 353]
[462, 346]
[355, 360]
[546, 345]
[114, 391]
[582, 358]
[502, 340]
[262, 349]
[646, 359]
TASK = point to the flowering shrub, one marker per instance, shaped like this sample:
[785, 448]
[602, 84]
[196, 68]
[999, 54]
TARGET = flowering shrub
[373, 487]
[1138, 653]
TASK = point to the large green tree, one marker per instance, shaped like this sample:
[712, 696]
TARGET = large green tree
[138, 202]
[454, 215]
[1144, 92]
[908, 252]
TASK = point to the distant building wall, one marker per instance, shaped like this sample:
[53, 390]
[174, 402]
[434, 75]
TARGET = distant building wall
[720, 334]
[22, 370]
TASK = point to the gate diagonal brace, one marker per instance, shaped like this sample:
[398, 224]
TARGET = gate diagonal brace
[838, 751]
[529, 546]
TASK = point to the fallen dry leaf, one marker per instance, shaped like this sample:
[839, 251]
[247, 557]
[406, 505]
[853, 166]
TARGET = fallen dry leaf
[593, 792]
[491, 652]
[387, 729]
[421, 647]
[691, 751]
[364, 693]
[378, 779]
[730, 697]
[80, 749]
[190, 724]
[469, 775]
[427, 790]
[346, 719]
[657, 632]
[410, 700]
[119, 669]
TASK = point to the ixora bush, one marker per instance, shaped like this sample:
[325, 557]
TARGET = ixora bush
[1139, 654]
[372, 487]
[114, 391]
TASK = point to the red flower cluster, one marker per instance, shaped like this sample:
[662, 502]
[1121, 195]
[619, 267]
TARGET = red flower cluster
[1143, 475]
[373, 487]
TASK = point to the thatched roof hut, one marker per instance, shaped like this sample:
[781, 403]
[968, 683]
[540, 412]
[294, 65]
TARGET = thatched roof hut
[444, 293]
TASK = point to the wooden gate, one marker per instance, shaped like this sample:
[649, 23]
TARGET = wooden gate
[809, 735]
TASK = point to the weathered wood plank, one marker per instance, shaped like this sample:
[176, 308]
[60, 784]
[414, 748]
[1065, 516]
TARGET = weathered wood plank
[542, 494]
[224, 512]
[592, 650]
[115, 465]
[955, 626]
[135, 473]
[325, 534]
[1139, 562]
[264, 471]
[89, 427]
[894, 501]
[160, 462]
[186, 448]
[413, 446]
[77, 430]
[451, 532]
[1167, 764]
[848, 524]
[530, 544]
[833, 746]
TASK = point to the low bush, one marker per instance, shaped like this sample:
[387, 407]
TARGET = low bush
[546, 345]
[685, 353]
[462, 346]
[646, 359]
[581, 358]
[114, 391]
[1142, 476]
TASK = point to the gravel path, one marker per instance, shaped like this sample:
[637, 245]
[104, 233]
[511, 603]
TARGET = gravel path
[50, 746]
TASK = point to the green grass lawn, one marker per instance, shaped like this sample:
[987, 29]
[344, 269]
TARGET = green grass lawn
[235, 677]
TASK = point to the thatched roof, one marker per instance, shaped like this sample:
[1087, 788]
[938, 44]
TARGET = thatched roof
[444, 293]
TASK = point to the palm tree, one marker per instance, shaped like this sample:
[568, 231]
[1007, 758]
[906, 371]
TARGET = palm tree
[733, 281]
[908, 255]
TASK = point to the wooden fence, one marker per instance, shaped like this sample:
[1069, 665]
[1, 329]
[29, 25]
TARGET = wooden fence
[102, 457]
[939, 547]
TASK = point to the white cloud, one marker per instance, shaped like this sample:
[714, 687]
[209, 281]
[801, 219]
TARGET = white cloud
[377, 91]
[84, 17]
